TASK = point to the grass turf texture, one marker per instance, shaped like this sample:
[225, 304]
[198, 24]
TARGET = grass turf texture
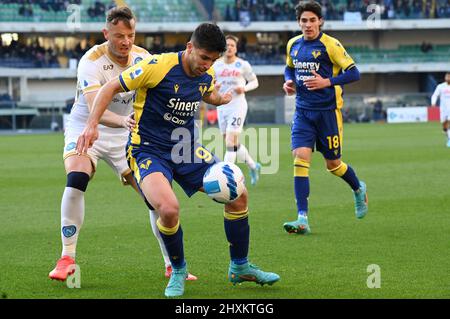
[406, 168]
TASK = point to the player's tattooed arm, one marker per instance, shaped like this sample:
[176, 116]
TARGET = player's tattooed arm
[109, 118]
[101, 102]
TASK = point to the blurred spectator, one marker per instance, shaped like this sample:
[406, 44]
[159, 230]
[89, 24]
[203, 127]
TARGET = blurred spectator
[346, 115]
[228, 13]
[209, 7]
[26, 11]
[377, 114]
[97, 10]
[426, 47]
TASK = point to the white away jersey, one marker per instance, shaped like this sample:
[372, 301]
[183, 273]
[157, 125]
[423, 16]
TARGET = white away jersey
[236, 74]
[97, 67]
[443, 92]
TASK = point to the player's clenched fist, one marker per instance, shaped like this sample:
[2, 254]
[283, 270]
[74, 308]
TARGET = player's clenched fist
[226, 97]
[289, 87]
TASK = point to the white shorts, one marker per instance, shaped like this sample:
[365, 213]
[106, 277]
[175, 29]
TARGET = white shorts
[108, 147]
[444, 113]
[231, 118]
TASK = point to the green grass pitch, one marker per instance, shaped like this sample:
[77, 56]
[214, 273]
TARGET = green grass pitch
[406, 231]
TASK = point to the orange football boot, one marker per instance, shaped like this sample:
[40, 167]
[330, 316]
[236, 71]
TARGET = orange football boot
[62, 269]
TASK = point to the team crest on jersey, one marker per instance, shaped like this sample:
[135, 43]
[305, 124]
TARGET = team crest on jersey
[146, 165]
[137, 60]
[316, 53]
[136, 73]
[238, 64]
[176, 88]
[203, 89]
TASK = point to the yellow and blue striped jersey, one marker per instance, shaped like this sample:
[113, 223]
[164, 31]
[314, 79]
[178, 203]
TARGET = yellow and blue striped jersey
[327, 57]
[166, 99]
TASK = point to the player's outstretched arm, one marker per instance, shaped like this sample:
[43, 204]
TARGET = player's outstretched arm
[101, 102]
[215, 98]
[109, 118]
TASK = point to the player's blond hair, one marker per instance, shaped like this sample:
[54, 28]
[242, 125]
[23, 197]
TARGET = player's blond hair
[232, 37]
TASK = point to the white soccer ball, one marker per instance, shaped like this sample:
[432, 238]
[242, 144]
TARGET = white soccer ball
[224, 182]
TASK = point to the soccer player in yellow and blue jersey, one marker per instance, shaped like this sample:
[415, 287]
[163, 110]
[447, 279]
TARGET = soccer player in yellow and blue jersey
[169, 88]
[317, 66]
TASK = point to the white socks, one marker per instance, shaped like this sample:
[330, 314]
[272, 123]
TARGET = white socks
[243, 156]
[153, 218]
[230, 157]
[72, 216]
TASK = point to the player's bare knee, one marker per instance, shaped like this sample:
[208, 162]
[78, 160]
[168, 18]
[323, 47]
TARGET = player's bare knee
[333, 164]
[302, 153]
[239, 204]
[168, 212]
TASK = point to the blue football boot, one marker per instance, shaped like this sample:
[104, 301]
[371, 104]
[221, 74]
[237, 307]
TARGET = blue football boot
[299, 226]
[254, 174]
[175, 287]
[361, 201]
[249, 272]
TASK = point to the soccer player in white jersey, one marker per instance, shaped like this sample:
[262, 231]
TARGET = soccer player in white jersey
[100, 64]
[236, 75]
[443, 93]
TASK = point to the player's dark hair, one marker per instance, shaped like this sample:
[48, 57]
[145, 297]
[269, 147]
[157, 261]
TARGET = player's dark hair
[209, 37]
[117, 14]
[311, 6]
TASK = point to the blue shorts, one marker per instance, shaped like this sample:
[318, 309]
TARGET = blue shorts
[322, 129]
[186, 169]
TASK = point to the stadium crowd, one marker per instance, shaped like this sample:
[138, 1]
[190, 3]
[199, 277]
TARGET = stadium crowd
[26, 8]
[20, 55]
[272, 10]
[98, 9]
